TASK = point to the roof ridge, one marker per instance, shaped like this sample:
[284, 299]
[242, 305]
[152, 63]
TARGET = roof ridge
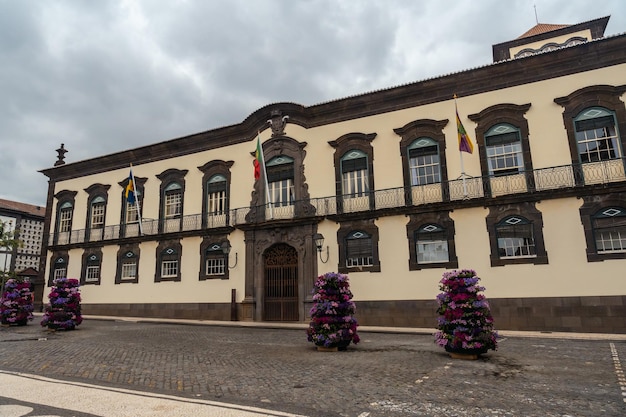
[22, 207]
[540, 28]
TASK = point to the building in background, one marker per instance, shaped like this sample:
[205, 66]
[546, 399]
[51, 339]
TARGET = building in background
[27, 222]
[384, 186]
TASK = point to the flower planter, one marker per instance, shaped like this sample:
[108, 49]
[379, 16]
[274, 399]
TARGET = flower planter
[16, 307]
[63, 311]
[465, 323]
[332, 326]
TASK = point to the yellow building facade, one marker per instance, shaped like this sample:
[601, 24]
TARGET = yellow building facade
[538, 209]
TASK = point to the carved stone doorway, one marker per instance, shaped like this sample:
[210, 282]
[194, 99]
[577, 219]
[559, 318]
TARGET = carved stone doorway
[281, 302]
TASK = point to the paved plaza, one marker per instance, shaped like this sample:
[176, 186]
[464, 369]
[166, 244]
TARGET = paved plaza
[251, 368]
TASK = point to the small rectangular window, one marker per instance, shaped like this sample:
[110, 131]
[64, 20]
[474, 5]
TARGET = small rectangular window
[215, 265]
[131, 213]
[129, 270]
[432, 251]
[65, 221]
[169, 269]
[216, 202]
[97, 215]
[281, 192]
[355, 183]
[359, 252]
[92, 274]
[173, 204]
[516, 241]
[610, 234]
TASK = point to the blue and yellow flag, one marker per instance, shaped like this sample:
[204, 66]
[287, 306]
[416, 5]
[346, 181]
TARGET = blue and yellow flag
[130, 189]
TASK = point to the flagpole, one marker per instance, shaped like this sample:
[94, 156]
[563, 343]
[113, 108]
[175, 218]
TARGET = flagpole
[132, 178]
[267, 186]
[456, 111]
[463, 175]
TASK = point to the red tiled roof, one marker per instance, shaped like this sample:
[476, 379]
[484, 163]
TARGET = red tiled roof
[22, 208]
[540, 28]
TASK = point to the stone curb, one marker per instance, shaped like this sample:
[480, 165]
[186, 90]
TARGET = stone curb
[373, 329]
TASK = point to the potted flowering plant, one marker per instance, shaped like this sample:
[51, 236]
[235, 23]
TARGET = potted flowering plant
[16, 307]
[332, 325]
[63, 311]
[465, 323]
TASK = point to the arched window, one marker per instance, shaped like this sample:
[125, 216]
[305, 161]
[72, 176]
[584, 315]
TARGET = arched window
[354, 174]
[424, 166]
[130, 213]
[596, 135]
[66, 211]
[173, 200]
[64, 215]
[171, 192]
[504, 150]
[216, 195]
[97, 209]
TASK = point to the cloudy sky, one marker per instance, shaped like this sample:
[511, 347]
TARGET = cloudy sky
[109, 75]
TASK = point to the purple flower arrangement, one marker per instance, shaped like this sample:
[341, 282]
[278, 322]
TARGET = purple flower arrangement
[465, 323]
[63, 311]
[332, 322]
[16, 307]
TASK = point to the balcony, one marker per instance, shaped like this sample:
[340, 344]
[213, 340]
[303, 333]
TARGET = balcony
[469, 188]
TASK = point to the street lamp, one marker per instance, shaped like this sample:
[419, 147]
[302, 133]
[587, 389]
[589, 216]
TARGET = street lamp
[225, 246]
[319, 242]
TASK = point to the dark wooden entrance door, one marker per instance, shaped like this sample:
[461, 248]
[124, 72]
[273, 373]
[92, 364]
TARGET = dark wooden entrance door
[281, 283]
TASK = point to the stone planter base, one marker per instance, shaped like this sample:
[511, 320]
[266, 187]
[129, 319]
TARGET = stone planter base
[465, 356]
[327, 349]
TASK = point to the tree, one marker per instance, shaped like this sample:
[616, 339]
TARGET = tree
[8, 243]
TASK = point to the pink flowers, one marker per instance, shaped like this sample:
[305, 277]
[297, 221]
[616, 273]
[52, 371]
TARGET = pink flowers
[465, 321]
[63, 311]
[332, 323]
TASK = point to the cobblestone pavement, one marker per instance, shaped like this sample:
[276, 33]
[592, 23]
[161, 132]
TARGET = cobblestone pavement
[387, 374]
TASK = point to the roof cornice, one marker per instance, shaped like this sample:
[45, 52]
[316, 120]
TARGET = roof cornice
[589, 56]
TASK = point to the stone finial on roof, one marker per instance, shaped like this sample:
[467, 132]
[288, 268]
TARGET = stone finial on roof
[61, 151]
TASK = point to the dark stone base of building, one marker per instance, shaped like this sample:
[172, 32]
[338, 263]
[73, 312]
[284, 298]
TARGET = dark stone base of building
[191, 311]
[596, 314]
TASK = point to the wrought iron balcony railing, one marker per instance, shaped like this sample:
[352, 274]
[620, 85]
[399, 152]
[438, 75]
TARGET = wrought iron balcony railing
[545, 179]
